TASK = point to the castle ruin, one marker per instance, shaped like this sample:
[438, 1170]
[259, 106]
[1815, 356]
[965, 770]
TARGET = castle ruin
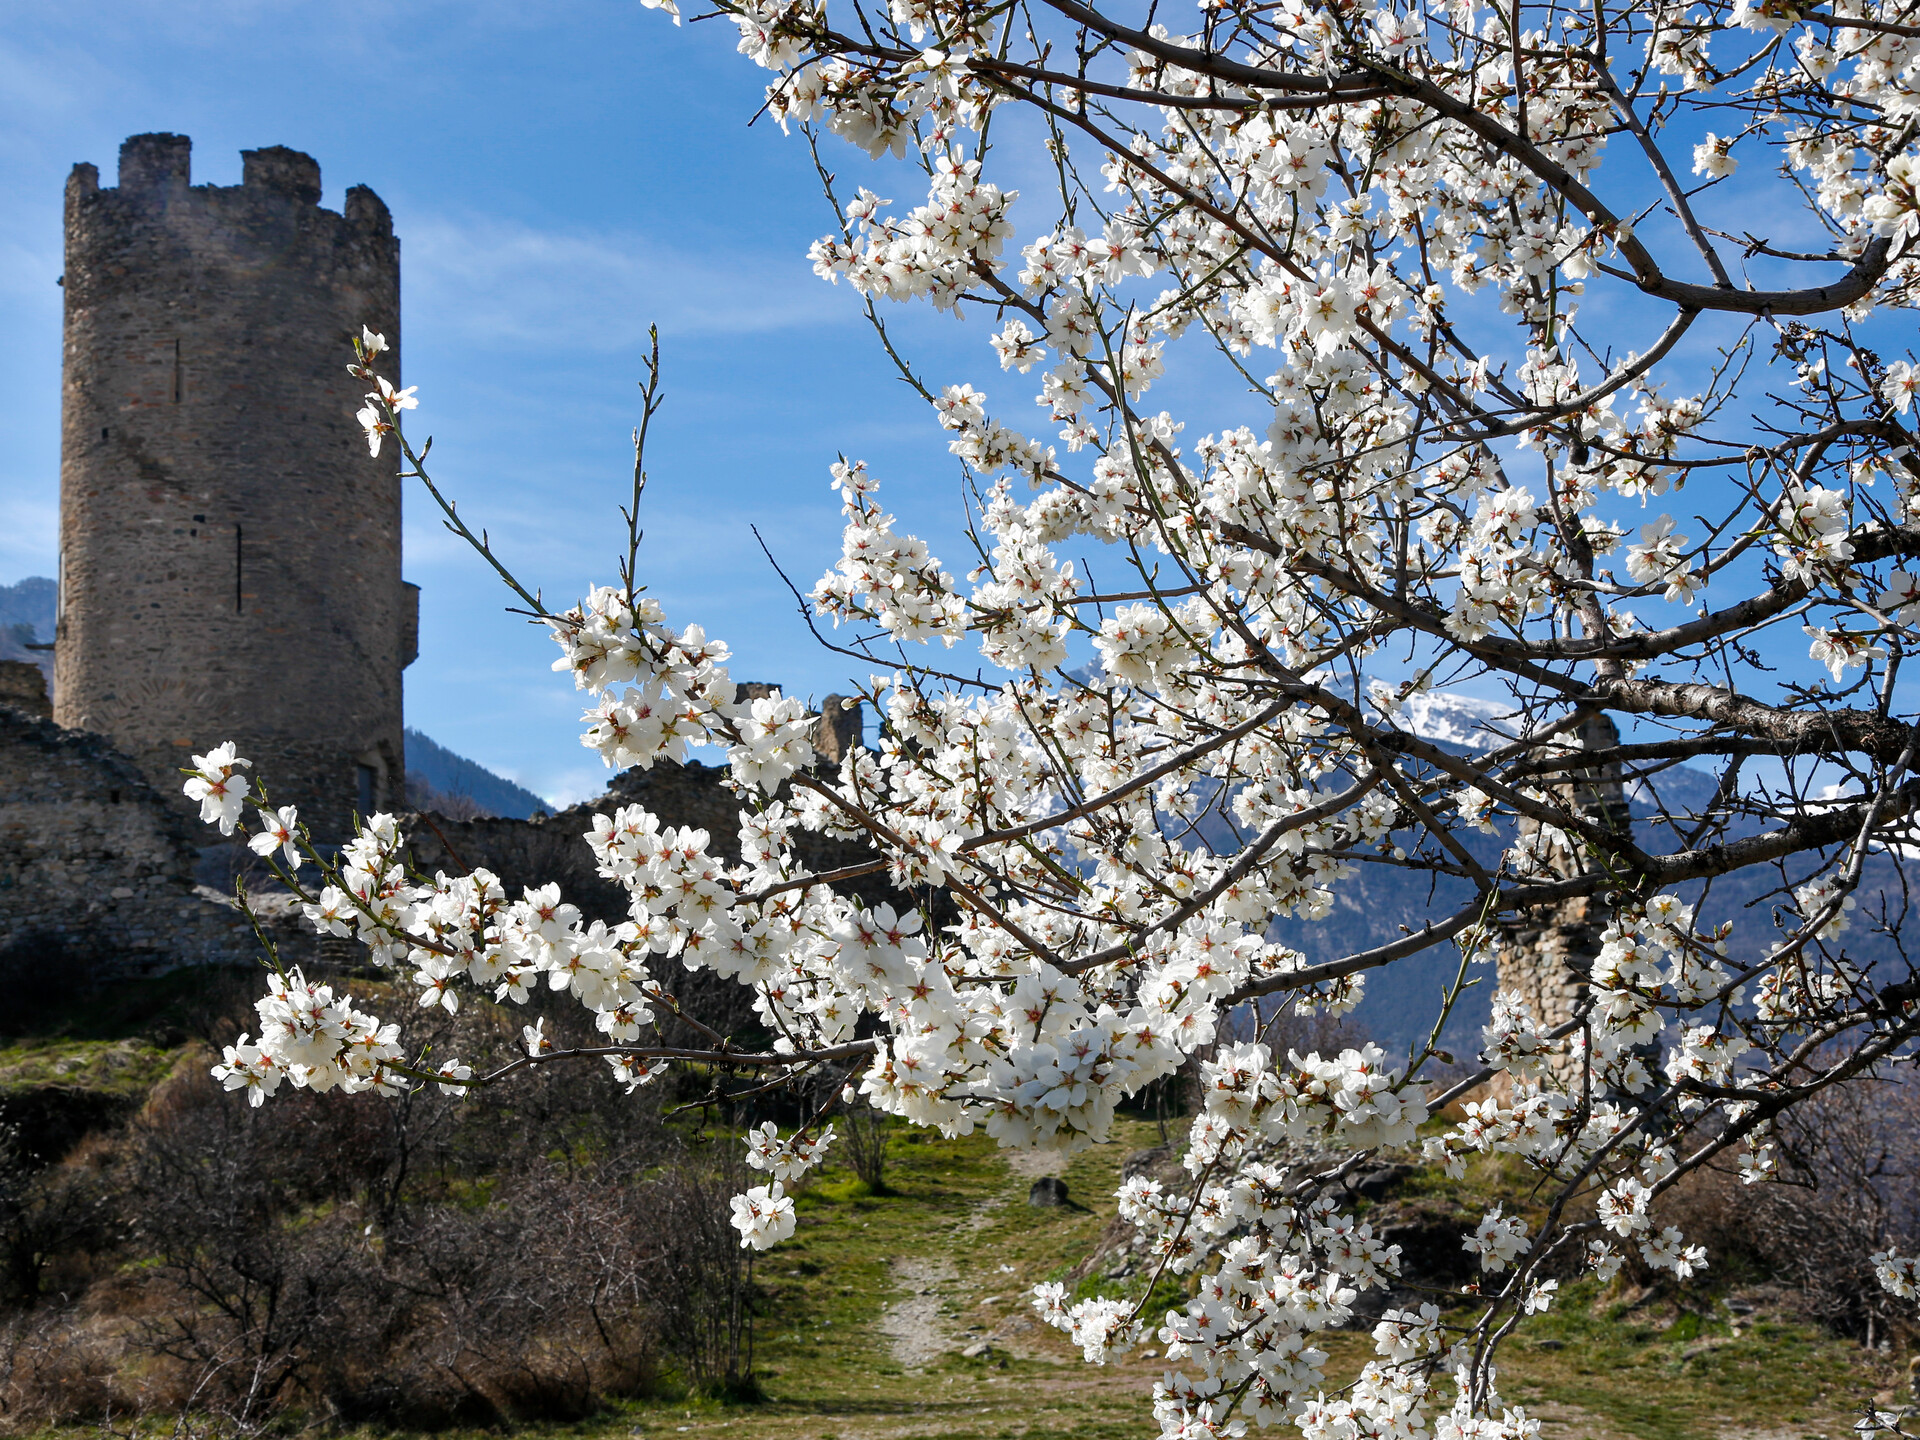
[229, 552]
[230, 570]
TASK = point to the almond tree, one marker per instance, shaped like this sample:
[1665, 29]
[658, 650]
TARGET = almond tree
[1499, 373]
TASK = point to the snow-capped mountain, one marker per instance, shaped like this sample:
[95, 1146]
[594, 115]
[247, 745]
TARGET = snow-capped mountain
[1465, 721]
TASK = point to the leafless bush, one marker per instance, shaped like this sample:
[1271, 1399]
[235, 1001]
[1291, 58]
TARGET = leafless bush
[244, 1299]
[539, 1306]
[56, 1370]
[50, 1215]
[706, 1295]
[864, 1131]
[1851, 1160]
[343, 1257]
[1284, 1028]
[1849, 1184]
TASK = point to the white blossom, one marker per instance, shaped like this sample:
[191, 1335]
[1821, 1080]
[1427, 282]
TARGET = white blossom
[764, 1216]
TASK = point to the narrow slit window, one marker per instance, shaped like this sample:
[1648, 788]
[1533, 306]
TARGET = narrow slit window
[176, 370]
[239, 594]
[365, 776]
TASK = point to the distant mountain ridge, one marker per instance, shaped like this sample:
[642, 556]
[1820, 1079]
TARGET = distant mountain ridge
[1378, 903]
[447, 775]
[29, 602]
[27, 618]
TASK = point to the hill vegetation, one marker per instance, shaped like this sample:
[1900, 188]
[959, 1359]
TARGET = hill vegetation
[438, 779]
[380, 1268]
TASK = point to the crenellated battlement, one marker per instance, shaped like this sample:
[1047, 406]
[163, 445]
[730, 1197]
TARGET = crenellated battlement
[278, 184]
[159, 167]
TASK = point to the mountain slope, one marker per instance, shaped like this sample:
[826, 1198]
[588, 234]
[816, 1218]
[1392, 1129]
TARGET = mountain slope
[26, 617]
[449, 774]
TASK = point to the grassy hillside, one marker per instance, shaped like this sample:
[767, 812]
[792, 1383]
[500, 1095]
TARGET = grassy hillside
[866, 1312]
[871, 1304]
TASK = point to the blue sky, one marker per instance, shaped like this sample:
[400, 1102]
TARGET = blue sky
[560, 178]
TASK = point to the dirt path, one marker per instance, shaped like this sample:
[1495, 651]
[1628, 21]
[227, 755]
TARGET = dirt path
[888, 1292]
[917, 1334]
[1032, 1164]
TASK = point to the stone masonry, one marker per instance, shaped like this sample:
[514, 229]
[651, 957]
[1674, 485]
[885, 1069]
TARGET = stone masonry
[23, 685]
[96, 869]
[553, 848]
[230, 553]
[1546, 954]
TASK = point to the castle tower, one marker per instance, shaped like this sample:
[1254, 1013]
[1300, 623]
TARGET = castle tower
[230, 553]
[1546, 954]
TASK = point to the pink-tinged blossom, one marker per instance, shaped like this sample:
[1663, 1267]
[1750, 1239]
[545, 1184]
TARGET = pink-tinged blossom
[764, 1216]
[216, 783]
[278, 830]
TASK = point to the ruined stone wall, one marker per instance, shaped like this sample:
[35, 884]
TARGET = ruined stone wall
[23, 686]
[98, 867]
[1546, 954]
[230, 553]
[553, 847]
[97, 870]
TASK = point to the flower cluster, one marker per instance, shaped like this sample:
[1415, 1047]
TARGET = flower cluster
[787, 1159]
[314, 1041]
[764, 1216]
[380, 416]
[661, 690]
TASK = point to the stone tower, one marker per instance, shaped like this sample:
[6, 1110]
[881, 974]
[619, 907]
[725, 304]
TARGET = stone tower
[230, 553]
[1546, 953]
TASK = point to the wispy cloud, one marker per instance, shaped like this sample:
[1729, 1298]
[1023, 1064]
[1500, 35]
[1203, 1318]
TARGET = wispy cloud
[505, 285]
[28, 524]
[27, 271]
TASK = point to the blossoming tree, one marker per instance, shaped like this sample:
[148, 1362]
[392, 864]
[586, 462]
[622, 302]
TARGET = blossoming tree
[1360, 241]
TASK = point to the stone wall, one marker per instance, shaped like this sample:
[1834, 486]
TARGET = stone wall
[23, 686]
[1546, 954]
[97, 870]
[230, 553]
[98, 867]
[553, 847]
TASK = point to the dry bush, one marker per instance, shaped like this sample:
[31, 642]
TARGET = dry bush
[243, 1299]
[57, 1370]
[706, 1296]
[1849, 1184]
[419, 1260]
[538, 1306]
[52, 1218]
[301, 1268]
[863, 1132]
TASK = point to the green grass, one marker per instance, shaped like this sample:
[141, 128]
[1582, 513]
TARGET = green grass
[122, 1068]
[1591, 1371]
[1596, 1367]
